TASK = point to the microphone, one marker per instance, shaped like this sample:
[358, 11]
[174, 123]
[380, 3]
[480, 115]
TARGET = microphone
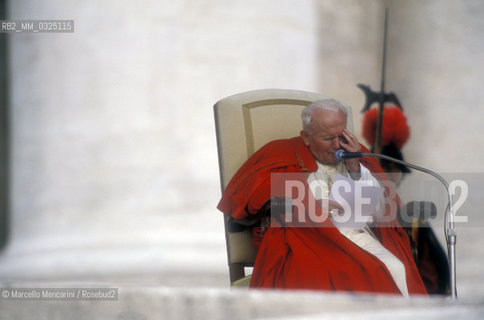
[449, 228]
[341, 155]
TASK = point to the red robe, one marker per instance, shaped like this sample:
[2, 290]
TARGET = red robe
[311, 257]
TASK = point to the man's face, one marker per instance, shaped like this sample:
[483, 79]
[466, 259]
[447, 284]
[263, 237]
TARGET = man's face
[325, 134]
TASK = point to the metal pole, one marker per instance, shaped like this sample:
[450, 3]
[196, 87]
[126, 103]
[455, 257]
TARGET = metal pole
[449, 228]
[379, 124]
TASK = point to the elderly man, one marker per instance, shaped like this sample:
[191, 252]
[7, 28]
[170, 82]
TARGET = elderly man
[319, 256]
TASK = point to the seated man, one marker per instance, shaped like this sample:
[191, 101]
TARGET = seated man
[325, 256]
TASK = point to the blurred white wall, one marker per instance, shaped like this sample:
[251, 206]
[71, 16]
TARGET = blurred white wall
[114, 161]
[437, 70]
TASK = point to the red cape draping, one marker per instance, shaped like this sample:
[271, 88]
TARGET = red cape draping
[312, 257]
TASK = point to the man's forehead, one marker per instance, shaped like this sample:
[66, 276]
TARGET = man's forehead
[327, 120]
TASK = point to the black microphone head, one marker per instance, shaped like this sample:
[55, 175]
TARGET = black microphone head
[338, 155]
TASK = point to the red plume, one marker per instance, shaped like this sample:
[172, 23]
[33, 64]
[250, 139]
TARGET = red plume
[394, 131]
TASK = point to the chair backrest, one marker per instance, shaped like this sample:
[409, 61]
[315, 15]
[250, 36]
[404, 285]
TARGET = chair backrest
[245, 122]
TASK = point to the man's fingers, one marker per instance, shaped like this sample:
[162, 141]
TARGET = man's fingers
[334, 205]
[330, 204]
[349, 136]
[351, 144]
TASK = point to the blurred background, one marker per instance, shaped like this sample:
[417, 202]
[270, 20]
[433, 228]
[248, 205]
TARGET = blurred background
[109, 163]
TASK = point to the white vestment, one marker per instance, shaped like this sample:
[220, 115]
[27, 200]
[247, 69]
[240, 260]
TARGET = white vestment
[320, 183]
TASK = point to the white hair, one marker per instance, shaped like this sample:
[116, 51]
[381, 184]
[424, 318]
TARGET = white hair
[325, 104]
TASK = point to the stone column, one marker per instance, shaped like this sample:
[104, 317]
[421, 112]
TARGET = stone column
[113, 161]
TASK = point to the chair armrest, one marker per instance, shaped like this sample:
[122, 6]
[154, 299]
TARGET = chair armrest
[420, 210]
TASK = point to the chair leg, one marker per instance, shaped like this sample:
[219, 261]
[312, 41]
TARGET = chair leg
[236, 271]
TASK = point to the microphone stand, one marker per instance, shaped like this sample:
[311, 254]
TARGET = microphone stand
[449, 228]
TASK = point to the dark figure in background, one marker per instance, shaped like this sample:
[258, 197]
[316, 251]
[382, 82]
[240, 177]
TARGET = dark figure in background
[430, 258]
